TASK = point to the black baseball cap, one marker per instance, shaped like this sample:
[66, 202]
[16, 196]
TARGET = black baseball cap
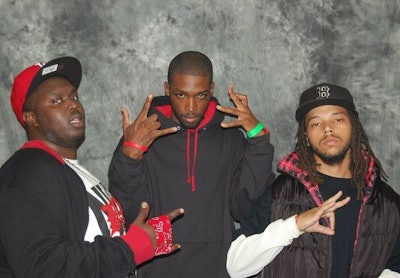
[324, 94]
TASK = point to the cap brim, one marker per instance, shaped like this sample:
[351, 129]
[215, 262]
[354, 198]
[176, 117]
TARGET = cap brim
[303, 109]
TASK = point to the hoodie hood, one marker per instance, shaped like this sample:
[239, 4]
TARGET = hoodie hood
[290, 165]
[161, 105]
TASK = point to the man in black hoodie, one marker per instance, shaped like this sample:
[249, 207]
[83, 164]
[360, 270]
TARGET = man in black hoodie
[179, 152]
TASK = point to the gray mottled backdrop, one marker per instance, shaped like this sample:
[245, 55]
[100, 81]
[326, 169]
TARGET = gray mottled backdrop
[271, 50]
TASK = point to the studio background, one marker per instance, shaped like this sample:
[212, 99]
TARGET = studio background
[270, 50]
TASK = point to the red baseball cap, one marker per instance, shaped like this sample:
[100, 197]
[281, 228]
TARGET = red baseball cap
[30, 78]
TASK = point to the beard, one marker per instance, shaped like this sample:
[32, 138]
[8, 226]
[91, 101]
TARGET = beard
[189, 125]
[332, 159]
[66, 141]
[185, 124]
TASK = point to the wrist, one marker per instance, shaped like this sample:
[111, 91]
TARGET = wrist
[135, 146]
[259, 129]
[132, 153]
[133, 150]
[140, 244]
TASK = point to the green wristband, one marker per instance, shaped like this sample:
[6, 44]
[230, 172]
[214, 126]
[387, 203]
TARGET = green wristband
[255, 130]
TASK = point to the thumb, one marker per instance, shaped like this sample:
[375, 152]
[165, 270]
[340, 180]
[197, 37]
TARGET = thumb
[143, 213]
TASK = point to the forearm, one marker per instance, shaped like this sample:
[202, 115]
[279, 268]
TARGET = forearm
[249, 255]
[253, 176]
[127, 182]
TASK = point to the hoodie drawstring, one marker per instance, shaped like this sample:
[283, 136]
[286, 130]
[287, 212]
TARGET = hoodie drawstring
[190, 172]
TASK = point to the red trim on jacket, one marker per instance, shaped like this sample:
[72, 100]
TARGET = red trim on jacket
[38, 144]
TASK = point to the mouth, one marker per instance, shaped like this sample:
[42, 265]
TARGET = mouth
[330, 141]
[77, 121]
[191, 119]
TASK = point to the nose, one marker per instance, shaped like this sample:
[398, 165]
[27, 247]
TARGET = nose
[191, 104]
[71, 104]
[328, 129]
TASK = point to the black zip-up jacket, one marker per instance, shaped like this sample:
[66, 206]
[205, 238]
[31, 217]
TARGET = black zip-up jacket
[213, 173]
[376, 246]
[43, 220]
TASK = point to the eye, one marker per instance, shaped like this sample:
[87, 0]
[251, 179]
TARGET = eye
[315, 124]
[56, 100]
[201, 96]
[179, 95]
[75, 98]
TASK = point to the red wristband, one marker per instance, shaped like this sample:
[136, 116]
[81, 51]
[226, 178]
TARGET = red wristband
[136, 146]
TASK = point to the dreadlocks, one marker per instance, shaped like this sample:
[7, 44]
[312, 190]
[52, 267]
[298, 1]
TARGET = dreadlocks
[359, 159]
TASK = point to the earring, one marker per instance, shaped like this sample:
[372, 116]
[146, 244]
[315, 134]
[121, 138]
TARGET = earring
[307, 142]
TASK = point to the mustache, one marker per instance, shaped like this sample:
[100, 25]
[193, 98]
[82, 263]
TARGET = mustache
[76, 114]
[330, 136]
[190, 115]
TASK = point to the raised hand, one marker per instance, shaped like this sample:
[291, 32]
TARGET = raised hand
[141, 221]
[245, 118]
[143, 131]
[308, 221]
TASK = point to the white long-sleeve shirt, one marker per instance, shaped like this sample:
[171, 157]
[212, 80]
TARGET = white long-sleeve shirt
[249, 255]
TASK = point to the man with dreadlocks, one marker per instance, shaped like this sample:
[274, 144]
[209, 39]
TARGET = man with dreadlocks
[332, 154]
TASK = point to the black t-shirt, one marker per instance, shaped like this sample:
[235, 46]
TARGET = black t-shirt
[346, 219]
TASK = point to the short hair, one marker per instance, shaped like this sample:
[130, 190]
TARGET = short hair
[191, 63]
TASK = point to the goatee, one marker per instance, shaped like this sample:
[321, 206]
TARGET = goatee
[331, 160]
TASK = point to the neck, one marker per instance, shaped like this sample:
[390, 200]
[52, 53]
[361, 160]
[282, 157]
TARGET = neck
[65, 152]
[339, 170]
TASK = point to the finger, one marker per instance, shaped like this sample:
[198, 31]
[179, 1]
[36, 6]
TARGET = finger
[341, 203]
[175, 247]
[234, 97]
[321, 211]
[125, 118]
[337, 204]
[325, 230]
[331, 218]
[335, 197]
[326, 206]
[243, 98]
[146, 107]
[231, 124]
[166, 131]
[228, 110]
[143, 213]
[175, 213]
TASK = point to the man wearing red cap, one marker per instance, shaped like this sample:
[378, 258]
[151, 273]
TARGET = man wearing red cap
[57, 219]
[332, 153]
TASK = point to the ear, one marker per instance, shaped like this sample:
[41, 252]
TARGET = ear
[30, 118]
[212, 88]
[307, 141]
[166, 88]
